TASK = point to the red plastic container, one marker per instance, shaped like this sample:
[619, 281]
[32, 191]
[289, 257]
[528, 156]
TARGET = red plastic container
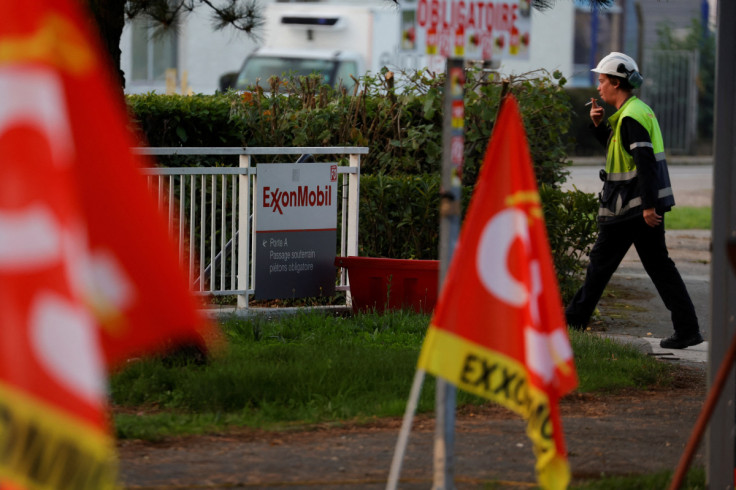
[379, 284]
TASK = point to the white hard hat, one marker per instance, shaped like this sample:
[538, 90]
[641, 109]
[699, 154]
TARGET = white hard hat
[620, 65]
[610, 65]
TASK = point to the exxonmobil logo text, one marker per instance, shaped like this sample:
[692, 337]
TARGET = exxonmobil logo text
[303, 196]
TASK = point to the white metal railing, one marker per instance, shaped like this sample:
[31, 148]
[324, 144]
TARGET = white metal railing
[209, 209]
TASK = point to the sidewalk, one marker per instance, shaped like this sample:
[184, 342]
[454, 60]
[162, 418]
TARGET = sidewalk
[696, 356]
[633, 312]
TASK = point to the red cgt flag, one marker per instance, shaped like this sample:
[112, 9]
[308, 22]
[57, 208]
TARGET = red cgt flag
[87, 274]
[498, 329]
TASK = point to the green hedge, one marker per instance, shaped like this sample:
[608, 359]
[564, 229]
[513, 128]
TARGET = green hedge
[400, 176]
[581, 136]
[403, 130]
[399, 217]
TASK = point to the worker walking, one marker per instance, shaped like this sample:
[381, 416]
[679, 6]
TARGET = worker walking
[635, 197]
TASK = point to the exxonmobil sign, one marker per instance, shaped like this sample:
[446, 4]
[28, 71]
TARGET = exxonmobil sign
[296, 230]
[480, 29]
[278, 199]
[296, 196]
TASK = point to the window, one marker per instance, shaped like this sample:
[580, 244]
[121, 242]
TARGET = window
[342, 77]
[264, 67]
[597, 33]
[152, 54]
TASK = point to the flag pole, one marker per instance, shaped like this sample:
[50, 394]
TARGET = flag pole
[401, 443]
[453, 144]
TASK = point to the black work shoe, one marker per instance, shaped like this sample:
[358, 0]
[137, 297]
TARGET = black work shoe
[680, 341]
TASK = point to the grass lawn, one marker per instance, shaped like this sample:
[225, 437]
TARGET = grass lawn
[294, 371]
[688, 218]
[310, 368]
[695, 480]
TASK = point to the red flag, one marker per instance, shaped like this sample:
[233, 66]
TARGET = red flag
[498, 329]
[87, 275]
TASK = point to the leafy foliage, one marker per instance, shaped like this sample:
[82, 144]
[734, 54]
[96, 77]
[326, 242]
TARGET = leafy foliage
[402, 124]
[244, 15]
[175, 120]
[581, 136]
[398, 217]
[571, 225]
[400, 119]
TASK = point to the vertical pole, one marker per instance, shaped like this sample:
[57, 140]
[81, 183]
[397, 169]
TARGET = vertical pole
[353, 205]
[720, 445]
[704, 16]
[182, 216]
[192, 225]
[353, 214]
[202, 227]
[234, 232]
[453, 144]
[401, 443]
[593, 42]
[243, 242]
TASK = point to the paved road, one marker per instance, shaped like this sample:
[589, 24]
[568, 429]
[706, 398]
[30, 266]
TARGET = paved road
[693, 184]
[634, 309]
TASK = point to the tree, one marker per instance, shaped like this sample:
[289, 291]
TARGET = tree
[244, 15]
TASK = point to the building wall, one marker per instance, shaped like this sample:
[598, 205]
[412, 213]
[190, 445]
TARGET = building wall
[551, 43]
[205, 54]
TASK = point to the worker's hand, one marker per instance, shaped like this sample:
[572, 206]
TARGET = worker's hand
[596, 112]
[652, 218]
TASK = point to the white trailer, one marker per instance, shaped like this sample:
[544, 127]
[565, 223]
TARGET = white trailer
[336, 40]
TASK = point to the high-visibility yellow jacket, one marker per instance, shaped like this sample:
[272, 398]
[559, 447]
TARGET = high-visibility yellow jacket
[636, 176]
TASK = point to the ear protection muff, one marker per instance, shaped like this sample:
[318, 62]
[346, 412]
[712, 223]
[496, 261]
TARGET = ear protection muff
[633, 76]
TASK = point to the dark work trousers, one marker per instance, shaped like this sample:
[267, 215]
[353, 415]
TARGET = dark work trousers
[613, 241]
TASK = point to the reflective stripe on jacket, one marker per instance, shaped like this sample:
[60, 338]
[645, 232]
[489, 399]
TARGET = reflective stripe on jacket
[621, 195]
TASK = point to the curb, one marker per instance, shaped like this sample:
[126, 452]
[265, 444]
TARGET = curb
[694, 355]
[599, 161]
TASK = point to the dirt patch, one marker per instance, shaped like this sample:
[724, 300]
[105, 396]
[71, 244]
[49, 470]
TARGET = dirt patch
[627, 433]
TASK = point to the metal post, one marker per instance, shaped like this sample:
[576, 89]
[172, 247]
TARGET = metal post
[450, 210]
[401, 443]
[720, 446]
[353, 214]
[244, 233]
[593, 42]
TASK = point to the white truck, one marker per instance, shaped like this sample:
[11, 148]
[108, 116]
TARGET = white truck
[334, 40]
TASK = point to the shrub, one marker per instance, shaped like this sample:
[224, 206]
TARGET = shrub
[177, 120]
[400, 175]
[404, 130]
[581, 136]
[571, 224]
[394, 214]
[393, 208]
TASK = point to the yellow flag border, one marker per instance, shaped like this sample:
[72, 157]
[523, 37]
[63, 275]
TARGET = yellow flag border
[504, 380]
[43, 448]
